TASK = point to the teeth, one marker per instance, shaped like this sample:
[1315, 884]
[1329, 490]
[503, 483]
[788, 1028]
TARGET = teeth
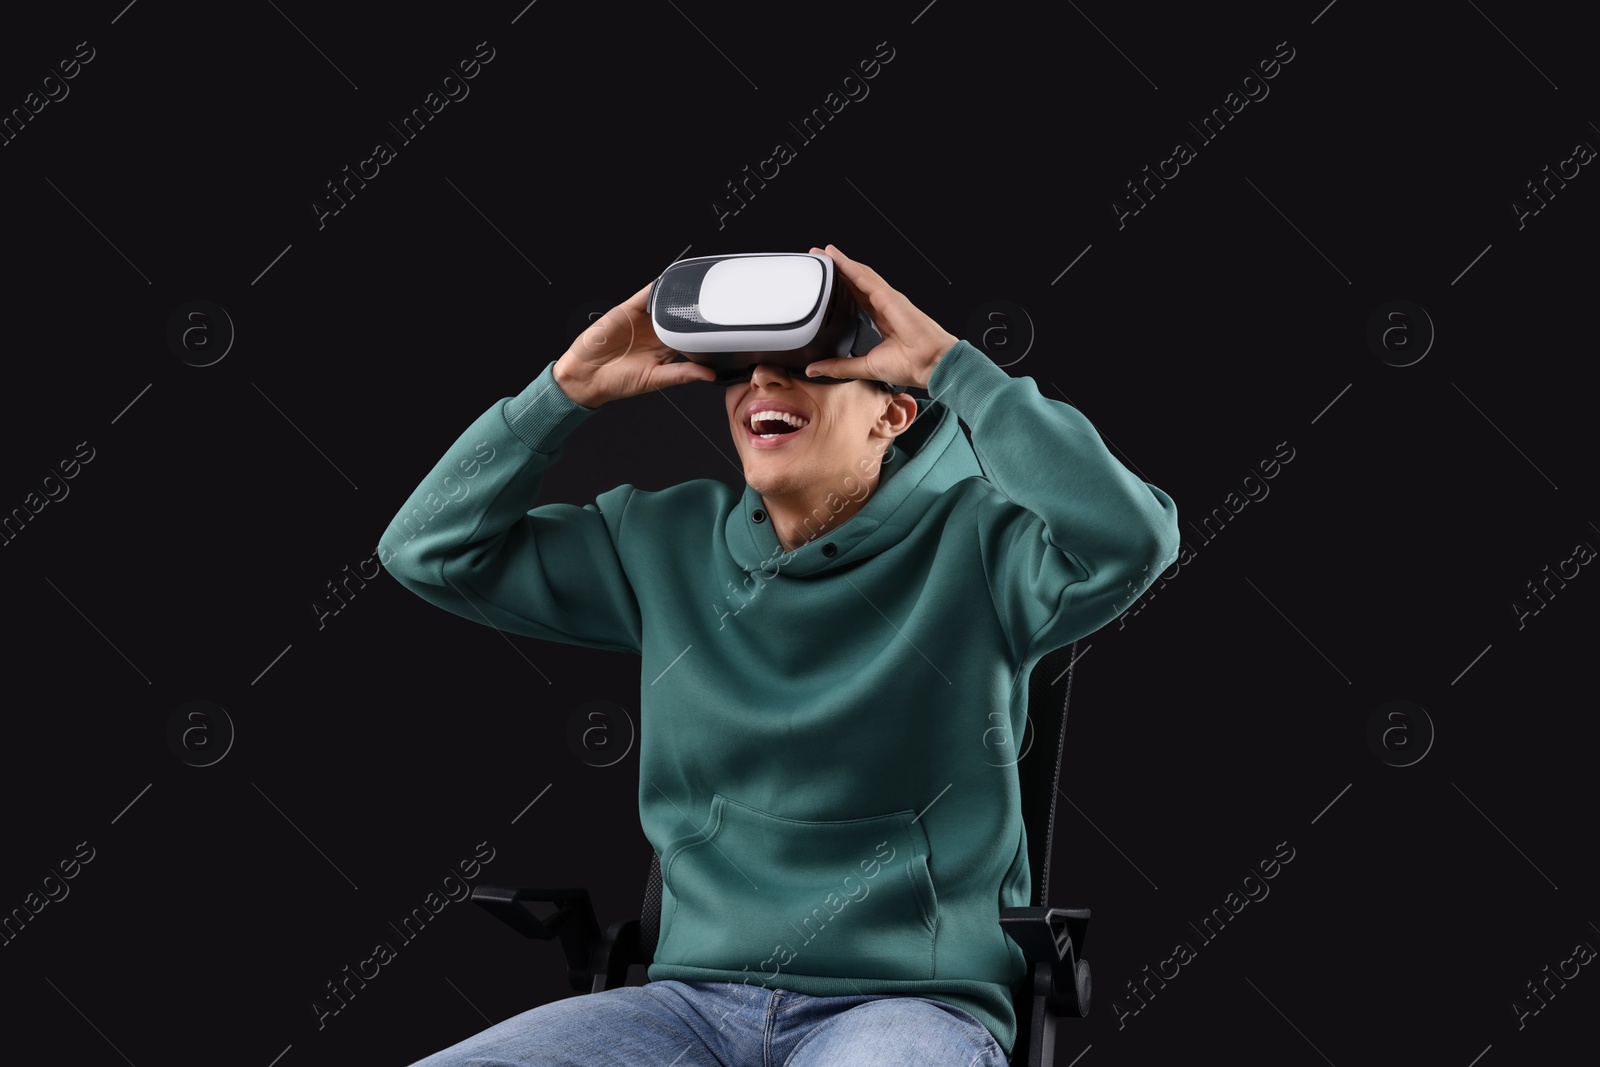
[793, 420]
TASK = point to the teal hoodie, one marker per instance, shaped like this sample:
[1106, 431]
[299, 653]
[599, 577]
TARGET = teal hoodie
[827, 769]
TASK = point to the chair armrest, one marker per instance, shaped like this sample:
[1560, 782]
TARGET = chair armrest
[573, 922]
[1051, 940]
[617, 952]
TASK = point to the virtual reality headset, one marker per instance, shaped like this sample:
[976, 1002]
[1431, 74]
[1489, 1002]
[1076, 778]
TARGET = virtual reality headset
[776, 309]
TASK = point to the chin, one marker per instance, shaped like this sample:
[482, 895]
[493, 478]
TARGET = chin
[763, 476]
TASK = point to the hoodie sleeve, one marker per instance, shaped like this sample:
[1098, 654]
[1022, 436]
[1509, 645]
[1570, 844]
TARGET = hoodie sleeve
[471, 541]
[1070, 538]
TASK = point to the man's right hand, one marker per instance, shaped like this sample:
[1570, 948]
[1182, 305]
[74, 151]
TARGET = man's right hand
[619, 355]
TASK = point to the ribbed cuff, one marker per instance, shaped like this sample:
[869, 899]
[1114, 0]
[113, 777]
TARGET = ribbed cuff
[542, 415]
[965, 380]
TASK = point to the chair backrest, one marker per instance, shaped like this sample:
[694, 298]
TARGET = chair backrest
[650, 917]
[1038, 771]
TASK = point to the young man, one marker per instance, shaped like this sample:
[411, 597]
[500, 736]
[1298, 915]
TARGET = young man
[827, 661]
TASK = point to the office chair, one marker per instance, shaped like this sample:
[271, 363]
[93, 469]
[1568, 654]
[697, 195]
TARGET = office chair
[1056, 985]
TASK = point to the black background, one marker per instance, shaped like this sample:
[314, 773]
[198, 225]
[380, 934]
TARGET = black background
[1230, 315]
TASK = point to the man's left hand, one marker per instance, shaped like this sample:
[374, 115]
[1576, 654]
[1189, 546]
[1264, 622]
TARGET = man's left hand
[912, 344]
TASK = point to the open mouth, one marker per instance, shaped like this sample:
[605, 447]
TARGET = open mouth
[771, 429]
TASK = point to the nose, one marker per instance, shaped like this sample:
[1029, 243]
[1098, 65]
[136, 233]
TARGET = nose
[766, 373]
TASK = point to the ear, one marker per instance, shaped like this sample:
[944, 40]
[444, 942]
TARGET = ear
[900, 412]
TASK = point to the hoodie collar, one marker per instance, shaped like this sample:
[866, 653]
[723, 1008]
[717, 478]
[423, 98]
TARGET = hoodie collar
[930, 456]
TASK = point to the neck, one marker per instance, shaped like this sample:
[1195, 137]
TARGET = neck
[800, 519]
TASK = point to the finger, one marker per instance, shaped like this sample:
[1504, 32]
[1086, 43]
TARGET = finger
[861, 299]
[870, 291]
[839, 368]
[862, 276]
[838, 269]
[638, 301]
[695, 372]
[672, 374]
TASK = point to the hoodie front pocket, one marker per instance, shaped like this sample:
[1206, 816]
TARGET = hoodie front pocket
[771, 895]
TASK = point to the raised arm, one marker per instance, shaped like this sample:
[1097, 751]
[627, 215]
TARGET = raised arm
[470, 539]
[1070, 537]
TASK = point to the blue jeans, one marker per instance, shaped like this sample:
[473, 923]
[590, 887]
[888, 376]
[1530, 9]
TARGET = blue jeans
[729, 1024]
